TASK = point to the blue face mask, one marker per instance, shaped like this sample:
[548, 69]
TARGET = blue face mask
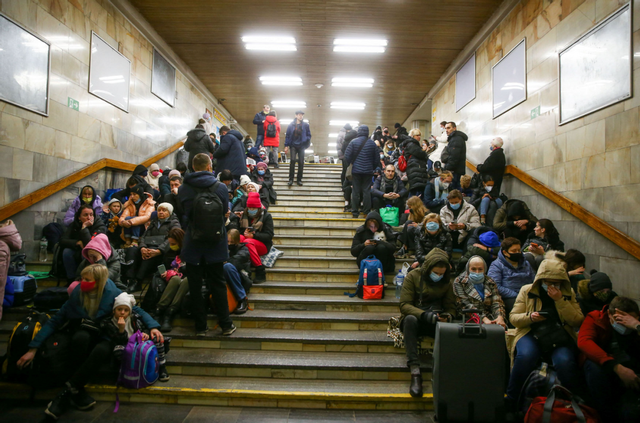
[545, 286]
[476, 278]
[433, 226]
[435, 277]
[252, 213]
[455, 206]
[261, 172]
[138, 202]
[621, 329]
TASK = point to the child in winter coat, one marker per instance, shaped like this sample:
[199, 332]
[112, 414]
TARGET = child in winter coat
[87, 196]
[9, 241]
[124, 323]
[136, 214]
[111, 220]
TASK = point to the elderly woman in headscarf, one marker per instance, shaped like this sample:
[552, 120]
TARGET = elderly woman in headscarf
[262, 176]
[475, 290]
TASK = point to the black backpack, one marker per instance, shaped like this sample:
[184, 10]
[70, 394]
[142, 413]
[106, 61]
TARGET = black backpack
[50, 299]
[54, 361]
[271, 130]
[154, 292]
[207, 215]
[53, 232]
[23, 333]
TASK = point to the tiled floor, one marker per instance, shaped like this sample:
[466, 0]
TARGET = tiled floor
[23, 412]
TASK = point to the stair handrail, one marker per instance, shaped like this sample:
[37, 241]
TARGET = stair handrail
[28, 200]
[598, 224]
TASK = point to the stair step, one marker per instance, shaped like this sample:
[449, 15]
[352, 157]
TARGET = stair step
[308, 241]
[319, 222]
[321, 303]
[310, 194]
[286, 228]
[292, 261]
[330, 214]
[317, 250]
[334, 179]
[335, 209]
[326, 203]
[303, 288]
[298, 274]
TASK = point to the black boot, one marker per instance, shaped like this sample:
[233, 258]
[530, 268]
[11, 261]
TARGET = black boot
[243, 305]
[416, 386]
[261, 275]
[290, 183]
[166, 323]
[60, 403]
[157, 314]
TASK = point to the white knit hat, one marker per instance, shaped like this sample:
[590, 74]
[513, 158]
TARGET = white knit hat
[124, 299]
[244, 179]
[167, 206]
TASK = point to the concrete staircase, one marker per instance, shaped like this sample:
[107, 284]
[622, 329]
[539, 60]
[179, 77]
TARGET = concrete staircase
[304, 344]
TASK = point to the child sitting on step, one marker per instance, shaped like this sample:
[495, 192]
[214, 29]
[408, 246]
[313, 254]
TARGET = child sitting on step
[123, 323]
[111, 218]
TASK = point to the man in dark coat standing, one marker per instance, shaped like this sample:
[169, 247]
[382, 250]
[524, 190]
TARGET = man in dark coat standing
[297, 140]
[258, 120]
[231, 154]
[198, 141]
[494, 165]
[362, 153]
[205, 260]
[457, 147]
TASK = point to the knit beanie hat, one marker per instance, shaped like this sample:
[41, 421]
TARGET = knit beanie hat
[137, 190]
[490, 239]
[599, 280]
[262, 165]
[244, 180]
[253, 201]
[167, 206]
[173, 173]
[124, 299]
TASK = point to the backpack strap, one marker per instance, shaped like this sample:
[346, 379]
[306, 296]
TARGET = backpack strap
[359, 150]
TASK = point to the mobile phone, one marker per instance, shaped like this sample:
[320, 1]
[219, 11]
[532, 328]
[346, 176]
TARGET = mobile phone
[534, 244]
[543, 313]
[250, 229]
[162, 269]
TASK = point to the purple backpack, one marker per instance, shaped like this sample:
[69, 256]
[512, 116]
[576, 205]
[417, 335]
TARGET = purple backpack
[139, 367]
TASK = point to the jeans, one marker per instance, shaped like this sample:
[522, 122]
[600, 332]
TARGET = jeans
[90, 350]
[613, 402]
[70, 263]
[259, 140]
[132, 232]
[484, 205]
[412, 329]
[174, 293]
[213, 275]
[234, 280]
[273, 150]
[361, 192]
[527, 358]
[297, 154]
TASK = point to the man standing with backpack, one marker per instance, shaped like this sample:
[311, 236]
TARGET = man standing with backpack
[272, 136]
[205, 203]
[362, 153]
[298, 139]
[258, 121]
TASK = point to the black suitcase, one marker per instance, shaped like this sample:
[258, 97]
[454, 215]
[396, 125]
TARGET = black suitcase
[469, 372]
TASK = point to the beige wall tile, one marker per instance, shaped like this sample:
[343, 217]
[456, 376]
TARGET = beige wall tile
[635, 164]
[622, 204]
[63, 118]
[40, 139]
[618, 165]
[12, 131]
[23, 11]
[22, 164]
[88, 127]
[622, 130]
[63, 145]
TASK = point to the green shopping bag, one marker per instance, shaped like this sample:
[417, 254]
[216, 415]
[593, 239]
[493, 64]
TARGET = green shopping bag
[390, 215]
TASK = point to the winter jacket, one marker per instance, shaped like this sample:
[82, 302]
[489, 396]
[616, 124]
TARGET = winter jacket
[271, 141]
[239, 257]
[441, 140]
[488, 255]
[142, 215]
[258, 120]
[426, 242]
[165, 184]
[588, 302]
[202, 252]
[528, 301]
[542, 242]
[363, 234]
[509, 279]
[302, 141]
[468, 216]
[109, 259]
[263, 234]
[467, 296]
[595, 337]
[416, 164]
[231, 154]
[74, 310]
[478, 194]
[137, 175]
[368, 159]
[433, 198]
[266, 181]
[435, 295]
[198, 141]
[153, 181]
[75, 233]
[379, 187]
[457, 147]
[501, 222]
[10, 240]
[349, 136]
[339, 142]
[120, 340]
[494, 165]
[96, 204]
[172, 199]
[157, 229]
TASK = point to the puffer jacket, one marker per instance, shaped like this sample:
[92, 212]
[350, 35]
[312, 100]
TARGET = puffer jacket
[271, 141]
[494, 165]
[501, 222]
[198, 141]
[416, 164]
[528, 301]
[265, 232]
[363, 234]
[100, 243]
[339, 142]
[468, 216]
[96, 204]
[425, 242]
[510, 280]
[159, 229]
[368, 159]
[231, 154]
[457, 147]
[75, 232]
[142, 216]
[420, 293]
[349, 136]
[10, 240]
[467, 296]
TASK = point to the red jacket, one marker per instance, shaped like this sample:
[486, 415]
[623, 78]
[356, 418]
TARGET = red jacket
[595, 334]
[271, 141]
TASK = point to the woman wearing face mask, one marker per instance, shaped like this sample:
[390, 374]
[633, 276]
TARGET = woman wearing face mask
[256, 226]
[475, 290]
[546, 316]
[136, 213]
[177, 284]
[364, 244]
[595, 293]
[84, 227]
[431, 234]
[89, 302]
[153, 245]
[262, 176]
[87, 196]
[486, 200]
[427, 298]
[153, 176]
[459, 218]
[417, 212]
[99, 251]
[609, 341]
[494, 165]
[545, 237]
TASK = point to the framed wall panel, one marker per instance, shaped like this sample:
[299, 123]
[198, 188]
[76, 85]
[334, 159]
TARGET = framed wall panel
[509, 80]
[109, 73]
[466, 83]
[163, 79]
[596, 70]
[25, 60]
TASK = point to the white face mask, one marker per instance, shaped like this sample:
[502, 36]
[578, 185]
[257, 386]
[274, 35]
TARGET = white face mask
[445, 185]
[488, 188]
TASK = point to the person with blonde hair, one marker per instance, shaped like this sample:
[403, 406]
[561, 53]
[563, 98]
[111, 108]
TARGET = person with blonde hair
[417, 212]
[429, 235]
[90, 301]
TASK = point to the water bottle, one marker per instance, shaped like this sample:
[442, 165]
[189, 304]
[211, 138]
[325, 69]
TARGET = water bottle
[43, 249]
[399, 281]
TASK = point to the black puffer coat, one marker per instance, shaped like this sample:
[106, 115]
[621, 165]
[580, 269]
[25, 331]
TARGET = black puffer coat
[425, 242]
[416, 164]
[457, 147]
[158, 230]
[198, 141]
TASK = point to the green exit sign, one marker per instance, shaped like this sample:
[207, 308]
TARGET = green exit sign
[73, 104]
[535, 112]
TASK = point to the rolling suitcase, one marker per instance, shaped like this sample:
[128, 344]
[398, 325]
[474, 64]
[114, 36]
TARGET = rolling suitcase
[469, 372]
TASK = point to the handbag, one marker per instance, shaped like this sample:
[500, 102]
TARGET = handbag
[390, 215]
[551, 335]
[154, 241]
[269, 259]
[553, 410]
[349, 173]
[444, 156]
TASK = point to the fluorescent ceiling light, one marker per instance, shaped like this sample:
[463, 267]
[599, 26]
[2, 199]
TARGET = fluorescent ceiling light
[343, 122]
[308, 151]
[268, 39]
[352, 82]
[285, 104]
[288, 121]
[332, 151]
[333, 144]
[359, 42]
[333, 135]
[276, 47]
[358, 49]
[347, 105]
[281, 80]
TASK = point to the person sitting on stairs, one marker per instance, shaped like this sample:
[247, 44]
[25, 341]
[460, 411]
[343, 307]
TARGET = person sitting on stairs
[256, 226]
[366, 243]
[177, 284]
[237, 270]
[417, 212]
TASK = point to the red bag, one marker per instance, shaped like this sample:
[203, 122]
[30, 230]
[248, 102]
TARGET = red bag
[402, 163]
[550, 410]
[372, 292]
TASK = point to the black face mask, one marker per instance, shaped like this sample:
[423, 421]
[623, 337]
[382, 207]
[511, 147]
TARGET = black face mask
[514, 257]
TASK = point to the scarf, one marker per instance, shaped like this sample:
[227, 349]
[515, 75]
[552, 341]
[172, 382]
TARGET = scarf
[384, 182]
[439, 195]
[128, 327]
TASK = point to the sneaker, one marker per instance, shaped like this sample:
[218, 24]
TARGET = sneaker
[134, 243]
[228, 331]
[299, 183]
[289, 183]
[354, 215]
[81, 400]
[346, 209]
[163, 374]
[60, 404]
[400, 253]
[202, 332]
